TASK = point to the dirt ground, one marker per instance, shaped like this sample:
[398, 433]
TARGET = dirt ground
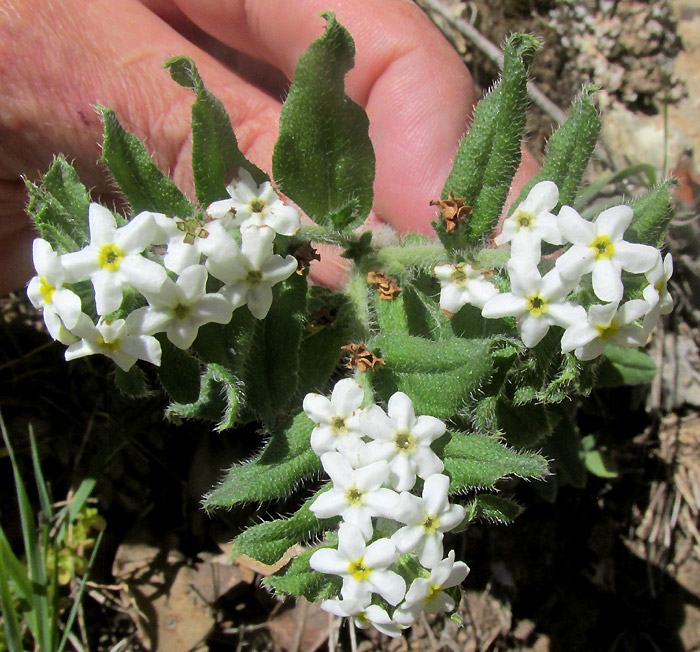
[608, 565]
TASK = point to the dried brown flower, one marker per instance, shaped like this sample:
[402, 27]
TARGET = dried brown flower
[361, 357]
[386, 285]
[304, 254]
[454, 210]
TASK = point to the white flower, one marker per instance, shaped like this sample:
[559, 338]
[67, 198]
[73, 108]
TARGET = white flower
[462, 284]
[426, 520]
[61, 307]
[189, 238]
[532, 222]
[357, 494]
[656, 294]
[179, 308]
[112, 260]
[606, 324]
[250, 273]
[363, 567]
[599, 248]
[403, 440]
[428, 594]
[364, 615]
[119, 340]
[538, 301]
[256, 205]
[337, 420]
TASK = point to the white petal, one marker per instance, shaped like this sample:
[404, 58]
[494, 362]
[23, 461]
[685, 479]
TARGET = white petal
[400, 409]
[504, 305]
[329, 561]
[533, 329]
[576, 262]
[259, 301]
[318, 408]
[139, 233]
[108, 291]
[389, 585]
[614, 221]
[102, 225]
[636, 258]
[347, 397]
[574, 228]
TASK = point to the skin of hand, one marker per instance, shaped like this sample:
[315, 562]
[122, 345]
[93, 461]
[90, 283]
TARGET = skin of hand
[61, 58]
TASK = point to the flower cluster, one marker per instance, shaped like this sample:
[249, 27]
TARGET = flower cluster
[374, 459]
[232, 244]
[594, 256]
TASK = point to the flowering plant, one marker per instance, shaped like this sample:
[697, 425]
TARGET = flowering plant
[461, 350]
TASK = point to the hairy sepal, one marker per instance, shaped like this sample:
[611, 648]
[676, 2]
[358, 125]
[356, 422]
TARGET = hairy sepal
[489, 154]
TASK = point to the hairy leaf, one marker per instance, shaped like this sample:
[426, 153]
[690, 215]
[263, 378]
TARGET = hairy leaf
[298, 578]
[652, 215]
[286, 460]
[267, 542]
[215, 153]
[323, 159]
[493, 508]
[625, 367]
[146, 188]
[478, 461]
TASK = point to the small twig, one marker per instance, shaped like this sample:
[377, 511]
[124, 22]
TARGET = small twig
[429, 632]
[494, 53]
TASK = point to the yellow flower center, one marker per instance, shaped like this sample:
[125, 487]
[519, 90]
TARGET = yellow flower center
[46, 289]
[181, 311]
[606, 332]
[110, 257]
[358, 570]
[603, 247]
[254, 277]
[405, 442]
[536, 305]
[257, 205]
[431, 524]
[338, 426]
[354, 496]
[108, 345]
[524, 220]
[435, 590]
[459, 276]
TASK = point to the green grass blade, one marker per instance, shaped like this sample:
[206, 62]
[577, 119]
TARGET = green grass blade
[7, 605]
[37, 570]
[72, 614]
[41, 487]
[15, 568]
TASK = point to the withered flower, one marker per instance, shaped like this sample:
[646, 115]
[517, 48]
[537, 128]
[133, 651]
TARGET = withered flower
[454, 210]
[386, 285]
[361, 357]
[304, 254]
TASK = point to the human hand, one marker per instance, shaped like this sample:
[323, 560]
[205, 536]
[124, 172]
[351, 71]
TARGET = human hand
[58, 59]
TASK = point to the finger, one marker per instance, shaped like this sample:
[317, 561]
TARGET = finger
[415, 88]
[104, 53]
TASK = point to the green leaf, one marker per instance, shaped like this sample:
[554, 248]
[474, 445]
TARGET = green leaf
[59, 207]
[267, 542]
[327, 329]
[496, 509]
[132, 382]
[271, 367]
[478, 461]
[323, 158]
[215, 154]
[298, 578]
[523, 426]
[596, 461]
[218, 399]
[179, 373]
[625, 367]
[564, 447]
[570, 149]
[439, 376]
[489, 154]
[652, 215]
[284, 463]
[146, 188]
